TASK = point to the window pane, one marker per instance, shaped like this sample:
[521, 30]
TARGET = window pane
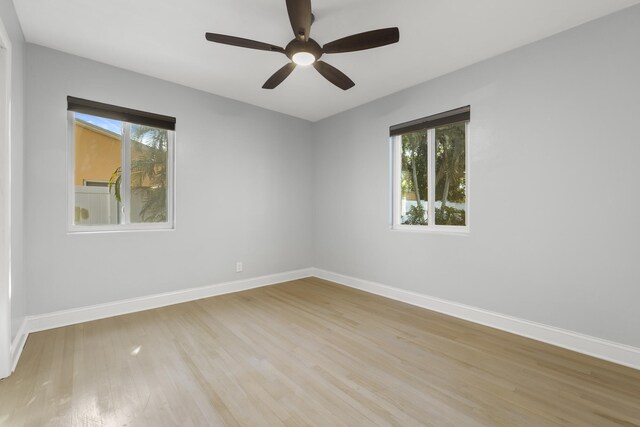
[149, 169]
[451, 187]
[414, 179]
[98, 159]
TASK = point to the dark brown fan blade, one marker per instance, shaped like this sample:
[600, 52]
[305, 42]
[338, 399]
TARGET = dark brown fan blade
[240, 42]
[300, 18]
[279, 76]
[362, 41]
[334, 75]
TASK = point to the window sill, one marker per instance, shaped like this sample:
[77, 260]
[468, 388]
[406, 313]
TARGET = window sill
[100, 229]
[434, 229]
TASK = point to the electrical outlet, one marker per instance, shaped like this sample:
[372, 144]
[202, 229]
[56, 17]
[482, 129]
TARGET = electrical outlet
[238, 267]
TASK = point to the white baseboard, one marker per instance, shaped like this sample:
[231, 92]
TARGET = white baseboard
[592, 346]
[596, 347]
[18, 344]
[57, 319]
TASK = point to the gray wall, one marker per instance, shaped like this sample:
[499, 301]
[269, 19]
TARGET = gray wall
[554, 205]
[18, 284]
[242, 191]
[554, 173]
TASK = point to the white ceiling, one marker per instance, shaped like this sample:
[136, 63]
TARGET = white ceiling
[165, 39]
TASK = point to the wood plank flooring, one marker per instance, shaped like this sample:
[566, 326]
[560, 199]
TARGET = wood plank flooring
[307, 352]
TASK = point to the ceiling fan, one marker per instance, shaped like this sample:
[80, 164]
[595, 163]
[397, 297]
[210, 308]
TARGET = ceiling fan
[303, 50]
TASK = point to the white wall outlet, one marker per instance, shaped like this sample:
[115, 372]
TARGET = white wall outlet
[238, 267]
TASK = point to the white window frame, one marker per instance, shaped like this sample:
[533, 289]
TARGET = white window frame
[395, 143]
[125, 191]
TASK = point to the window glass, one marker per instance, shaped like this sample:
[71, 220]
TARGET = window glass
[149, 168]
[98, 157]
[414, 179]
[450, 202]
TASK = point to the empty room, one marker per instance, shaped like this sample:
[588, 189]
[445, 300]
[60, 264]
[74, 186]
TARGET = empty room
[319, 213]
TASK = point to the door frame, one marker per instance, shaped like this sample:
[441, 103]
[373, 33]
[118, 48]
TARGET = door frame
[5, 203]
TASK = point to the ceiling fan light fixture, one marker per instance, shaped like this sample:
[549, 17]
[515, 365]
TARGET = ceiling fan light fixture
[305, 51]
[303, 58]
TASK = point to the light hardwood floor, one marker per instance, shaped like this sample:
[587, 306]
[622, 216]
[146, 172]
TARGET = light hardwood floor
[307, 352]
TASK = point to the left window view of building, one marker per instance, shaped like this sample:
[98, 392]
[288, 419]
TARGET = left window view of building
[98, 158]
[122, 175]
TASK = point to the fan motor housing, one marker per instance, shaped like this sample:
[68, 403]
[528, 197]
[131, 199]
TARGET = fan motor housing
[310, 46]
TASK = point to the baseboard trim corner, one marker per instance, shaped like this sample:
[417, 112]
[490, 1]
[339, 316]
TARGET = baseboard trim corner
[18, 344]
[596, 347]
[74, 316]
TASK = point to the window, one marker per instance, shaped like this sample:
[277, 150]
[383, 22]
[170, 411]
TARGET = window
[430, 173]
[121, 168]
